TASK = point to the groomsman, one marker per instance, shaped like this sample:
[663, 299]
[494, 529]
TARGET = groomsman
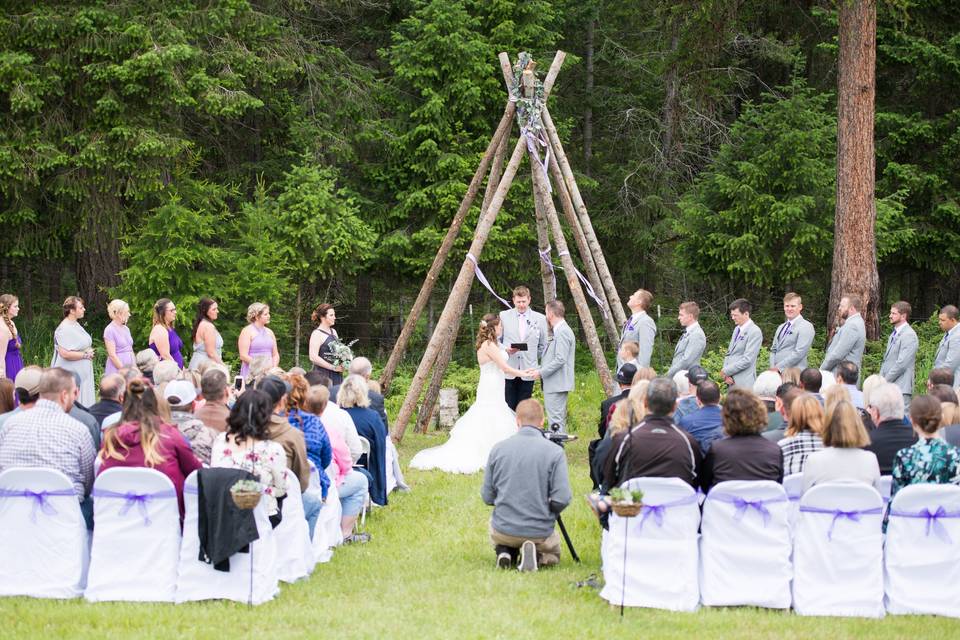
[793, 338]
[948, 353]
[556, 369]
[640, 328]
[850, 338]
[740, 364]
[522, 325]
[692, 343]
[901, 354]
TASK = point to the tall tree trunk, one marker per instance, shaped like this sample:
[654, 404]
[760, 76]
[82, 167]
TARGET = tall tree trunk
[298, 325]
[588, 90]
[98, 267]
[671, 100]
[854, 250]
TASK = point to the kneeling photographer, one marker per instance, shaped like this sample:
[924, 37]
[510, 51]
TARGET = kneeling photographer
[526, 482]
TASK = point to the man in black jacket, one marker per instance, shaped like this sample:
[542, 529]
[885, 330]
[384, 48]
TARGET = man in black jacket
[625, 380]
[893, 432]
[112, 388]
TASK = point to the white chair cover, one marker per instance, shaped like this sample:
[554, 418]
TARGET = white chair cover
[732, 571]
[886, 485]
[391, 458]
[327, 535]
[922, 558]
[651, 560]
[838, 552]
[314, 478]
[43, 537]
[793, 486]
[136, 542]
[198, 580]
[294, 551]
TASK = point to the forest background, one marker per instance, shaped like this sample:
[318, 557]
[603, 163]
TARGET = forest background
[301, 151]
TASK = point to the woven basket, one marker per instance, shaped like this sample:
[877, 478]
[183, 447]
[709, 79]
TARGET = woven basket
[626, 509]
[246, 499]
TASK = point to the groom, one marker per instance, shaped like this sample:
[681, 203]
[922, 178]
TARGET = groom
[556, 370]
[522, 325]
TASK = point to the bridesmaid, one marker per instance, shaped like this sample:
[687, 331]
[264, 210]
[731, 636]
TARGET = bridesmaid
[320, 349]
[11, 360]
[256, 339]
[73, 348]
[163, 337]
[207, 341]
[117, 338]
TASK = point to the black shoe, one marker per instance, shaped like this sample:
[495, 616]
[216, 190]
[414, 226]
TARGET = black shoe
[528, 557]
[504, 561]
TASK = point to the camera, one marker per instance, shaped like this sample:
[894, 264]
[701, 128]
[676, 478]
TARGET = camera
[555, 436]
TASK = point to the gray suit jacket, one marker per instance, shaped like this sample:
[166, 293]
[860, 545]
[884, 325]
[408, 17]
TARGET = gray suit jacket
[948, 353]
[556, 372]
[900, 358]
[641, 330]
[790, 348]
[536, 338]
[689, 349]
[741, 361]
[847, 344]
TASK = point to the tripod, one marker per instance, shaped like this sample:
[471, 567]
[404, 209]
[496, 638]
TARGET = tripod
[566, 538]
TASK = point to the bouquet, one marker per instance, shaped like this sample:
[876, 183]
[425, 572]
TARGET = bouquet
[246, 493]
[340, 353]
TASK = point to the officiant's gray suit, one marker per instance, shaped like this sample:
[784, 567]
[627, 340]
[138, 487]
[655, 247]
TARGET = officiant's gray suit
[948, 353]
[791, 343]
[556, 372]
[689, 349]
[899, 360]
[741, 360]
[847, 344]
[535, 338]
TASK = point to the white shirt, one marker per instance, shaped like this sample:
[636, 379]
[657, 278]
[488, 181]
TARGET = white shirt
[340, 420]
[833, 463]
[693, 326]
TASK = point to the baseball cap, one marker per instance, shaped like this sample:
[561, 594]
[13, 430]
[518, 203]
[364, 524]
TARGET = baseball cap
[28, 379]
[274, 387]
[626, 373]
[697, 374]
[179, 393]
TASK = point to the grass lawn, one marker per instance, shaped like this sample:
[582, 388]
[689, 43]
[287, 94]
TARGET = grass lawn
[428, 573]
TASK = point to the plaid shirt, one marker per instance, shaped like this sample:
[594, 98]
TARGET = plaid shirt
[45, 436]
[796, 449]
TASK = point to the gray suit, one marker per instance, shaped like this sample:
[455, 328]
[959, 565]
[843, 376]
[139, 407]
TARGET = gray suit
[640, 329]
[689, 349]
[948, 354]
[741, 360]
[535, 338]
[556, 372]
[847, 344]
[899, 360]
[791, 345]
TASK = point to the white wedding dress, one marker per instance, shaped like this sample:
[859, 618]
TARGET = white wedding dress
[488, 421]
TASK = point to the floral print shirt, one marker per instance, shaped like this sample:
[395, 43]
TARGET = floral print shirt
[265, 459]
[929, 460]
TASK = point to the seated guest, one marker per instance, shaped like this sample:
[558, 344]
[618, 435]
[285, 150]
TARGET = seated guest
[835, 394]
[891, 434]
[181, 396]
[525, 480]
[930, 460]
[744, 454]
[352, 485]
[82, 415]
[706, 423]
[939, 376]
[644, 373]
[949, 423]
[765, 387]
[847, 375]
[112, 389]
[246, 445]
[943, 393]
[843, 457]
[146, 361]
[46, 436]
[626, 413]
[802, 436]
[315, 436]
[655, 448]
[335, 417]
[791, 375]
[7, 397]
[686, 396]
[625, 381]
[216, 392]
[776, 435]
[27, 388]
[871, 384]
[165, 371]
[828, 381]
[810, 381]
[353, 398]
[143, 440]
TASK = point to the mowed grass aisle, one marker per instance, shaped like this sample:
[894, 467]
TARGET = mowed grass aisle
[428, 573]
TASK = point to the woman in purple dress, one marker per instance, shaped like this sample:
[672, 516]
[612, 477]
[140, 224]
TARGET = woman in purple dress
[163, 337]
[117, 338]
[11, 360]
[256, 340]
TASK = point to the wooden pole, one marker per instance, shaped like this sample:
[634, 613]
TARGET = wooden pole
[547, 275]
[503, 130]
[458, 296]
[581, 208]
[579, 299]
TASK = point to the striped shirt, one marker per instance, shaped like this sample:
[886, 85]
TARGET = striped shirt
[796, 449]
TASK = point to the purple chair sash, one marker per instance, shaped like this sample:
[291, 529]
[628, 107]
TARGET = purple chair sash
[657, 510]
[742, 505]
[40, 499]
[191, 489]
[933, 520]
[132, 498]
[853, 515]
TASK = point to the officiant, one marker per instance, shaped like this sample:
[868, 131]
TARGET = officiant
[525, 339]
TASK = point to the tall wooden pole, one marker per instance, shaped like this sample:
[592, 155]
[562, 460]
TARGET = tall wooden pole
[608, 284]
[503, 130]
[547, 275]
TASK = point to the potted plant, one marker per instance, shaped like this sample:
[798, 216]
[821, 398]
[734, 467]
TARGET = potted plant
[626, 503]
[245, 494]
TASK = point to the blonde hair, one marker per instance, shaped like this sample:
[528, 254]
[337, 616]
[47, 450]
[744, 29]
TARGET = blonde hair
[806, 414]
[833, 395]
[116, 307]
[353, 393]
[632, 347]
[632, 410]
[147, 360]
[487, 331]
[7, 300]
[256, 310]
[645, 298]
[259, 367]
[843, 427]
[644, 373]
[316, 399]
[871, 384]
[791, 374]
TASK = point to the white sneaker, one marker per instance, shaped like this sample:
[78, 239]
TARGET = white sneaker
[528, 557]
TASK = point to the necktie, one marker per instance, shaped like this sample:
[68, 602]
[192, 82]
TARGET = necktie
[736, 333]
[784, 331]
[522, 323]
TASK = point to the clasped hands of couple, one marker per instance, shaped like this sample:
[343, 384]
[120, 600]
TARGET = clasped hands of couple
[530, 373]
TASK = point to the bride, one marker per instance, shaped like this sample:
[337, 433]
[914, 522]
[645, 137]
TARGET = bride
[488, 421]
